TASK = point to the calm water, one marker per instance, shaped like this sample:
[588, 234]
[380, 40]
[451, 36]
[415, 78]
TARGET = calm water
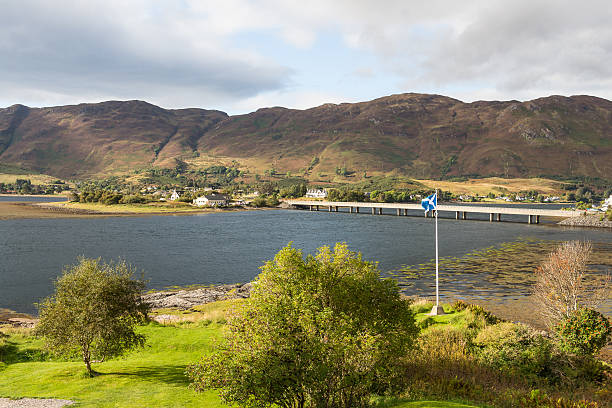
[230, 247]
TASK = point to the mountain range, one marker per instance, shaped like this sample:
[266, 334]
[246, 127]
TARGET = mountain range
[418, 135]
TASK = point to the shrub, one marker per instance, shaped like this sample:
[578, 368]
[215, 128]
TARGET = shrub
[133, 199]
[516, 348]
[259, 202]
[324, 331]
[586, 331]
[477, 311]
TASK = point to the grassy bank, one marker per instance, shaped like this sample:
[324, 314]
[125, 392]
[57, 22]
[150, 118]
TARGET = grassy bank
[149, 377]
[155, 375]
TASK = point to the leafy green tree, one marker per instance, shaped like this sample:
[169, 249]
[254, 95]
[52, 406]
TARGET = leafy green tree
[93, 312]
[320, 331]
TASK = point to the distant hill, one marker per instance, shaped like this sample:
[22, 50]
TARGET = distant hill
[418, 135]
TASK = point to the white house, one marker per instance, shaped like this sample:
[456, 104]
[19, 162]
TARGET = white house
[211, 200]
[607, 203]
[316, 193]
[175, 196]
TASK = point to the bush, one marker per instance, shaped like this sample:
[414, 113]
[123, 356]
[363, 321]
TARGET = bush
[586, 331]
[133, 199]
[477, 311]
[516, 348]
[324, 331]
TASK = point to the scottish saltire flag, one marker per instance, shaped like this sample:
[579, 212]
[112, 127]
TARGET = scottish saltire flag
[430, 203]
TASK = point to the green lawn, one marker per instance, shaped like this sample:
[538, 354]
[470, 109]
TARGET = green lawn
[149, 377]
[152, 377]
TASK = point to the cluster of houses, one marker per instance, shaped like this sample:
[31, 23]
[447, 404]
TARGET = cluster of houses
[316, 193]
[523, 198]
[210, 198]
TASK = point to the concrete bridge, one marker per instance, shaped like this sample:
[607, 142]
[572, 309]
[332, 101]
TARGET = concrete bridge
[461, 211]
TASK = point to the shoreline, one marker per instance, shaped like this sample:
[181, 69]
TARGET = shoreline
[38, 210]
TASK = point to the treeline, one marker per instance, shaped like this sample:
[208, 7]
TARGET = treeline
[181, 176]
[108, 197]
[25, 186]
[390, 196]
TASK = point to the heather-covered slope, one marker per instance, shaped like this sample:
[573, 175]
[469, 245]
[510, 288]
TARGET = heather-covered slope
[418, 135]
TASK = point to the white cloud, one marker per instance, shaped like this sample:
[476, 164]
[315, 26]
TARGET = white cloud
[182, 53]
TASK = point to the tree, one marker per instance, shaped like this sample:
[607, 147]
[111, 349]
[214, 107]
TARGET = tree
[93, 312]
[320, 331]
[562, 287]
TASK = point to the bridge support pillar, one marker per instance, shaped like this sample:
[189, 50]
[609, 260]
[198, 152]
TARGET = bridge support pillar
[537, 220]
[380, 211]
[399, 212]
[357, 210]
[316, 208]
[351, 209]
[330, 208]
[405, 212]
[491, 217]
[457, 214]
[336, 209]
[373, 211]
[310, 207]
[529, 221]
[464, 215]
[498, 216]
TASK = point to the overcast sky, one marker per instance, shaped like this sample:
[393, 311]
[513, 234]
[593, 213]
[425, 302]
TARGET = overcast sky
[240, 55]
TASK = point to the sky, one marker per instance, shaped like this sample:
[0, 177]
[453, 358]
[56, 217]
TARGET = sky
[241, 55]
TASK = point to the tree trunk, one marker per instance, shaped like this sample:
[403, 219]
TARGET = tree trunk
[87, 361]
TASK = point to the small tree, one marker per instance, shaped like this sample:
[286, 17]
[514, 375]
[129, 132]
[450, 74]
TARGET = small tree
[324, 331]
[586, 331]
[93, 312]
[561, 286]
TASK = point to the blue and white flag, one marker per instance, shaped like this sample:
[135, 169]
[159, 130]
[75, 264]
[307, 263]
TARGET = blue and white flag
[430, 203]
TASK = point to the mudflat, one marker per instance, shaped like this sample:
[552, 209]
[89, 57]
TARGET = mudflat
[16, 210]
[12, 210]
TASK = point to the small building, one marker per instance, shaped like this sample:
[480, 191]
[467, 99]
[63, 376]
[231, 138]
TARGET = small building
[211, 200]
[316, 193]
[607, 203]
[175, 195]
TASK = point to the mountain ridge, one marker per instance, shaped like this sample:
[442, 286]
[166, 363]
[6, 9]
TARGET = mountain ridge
[418, 135]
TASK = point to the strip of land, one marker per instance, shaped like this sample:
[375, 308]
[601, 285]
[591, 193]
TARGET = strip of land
[17, 210]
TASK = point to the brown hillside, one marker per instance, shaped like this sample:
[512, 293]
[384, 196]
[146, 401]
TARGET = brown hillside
[418, 135]
[94, 139]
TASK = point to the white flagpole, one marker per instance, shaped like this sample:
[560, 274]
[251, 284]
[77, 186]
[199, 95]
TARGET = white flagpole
[437, 289]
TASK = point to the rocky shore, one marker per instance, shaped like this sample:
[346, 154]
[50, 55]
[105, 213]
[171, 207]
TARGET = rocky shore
[587, 221]
[188, 298]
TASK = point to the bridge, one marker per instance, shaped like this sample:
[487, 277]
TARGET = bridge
[461, 211]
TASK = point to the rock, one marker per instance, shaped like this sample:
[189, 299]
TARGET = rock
[587, 221]
[188, 298]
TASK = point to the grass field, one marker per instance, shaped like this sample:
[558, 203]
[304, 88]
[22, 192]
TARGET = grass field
[34, 178]
[150, 377]
[497, 185]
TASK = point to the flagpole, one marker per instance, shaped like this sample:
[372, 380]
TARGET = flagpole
[437, 288]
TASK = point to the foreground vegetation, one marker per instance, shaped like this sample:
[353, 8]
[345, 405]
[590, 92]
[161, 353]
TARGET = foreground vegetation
[325, 331]
[153, 376]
